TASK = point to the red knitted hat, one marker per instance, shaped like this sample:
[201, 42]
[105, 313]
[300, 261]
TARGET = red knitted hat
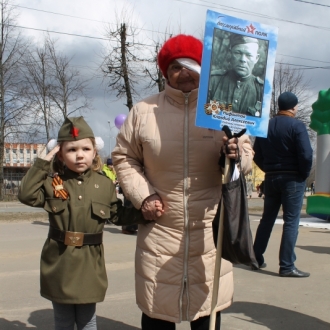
[180, 46]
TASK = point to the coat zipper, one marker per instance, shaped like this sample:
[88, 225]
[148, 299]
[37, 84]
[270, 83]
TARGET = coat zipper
[185, 205]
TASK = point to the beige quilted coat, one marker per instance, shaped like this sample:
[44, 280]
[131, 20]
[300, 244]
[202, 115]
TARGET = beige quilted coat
[160, 150]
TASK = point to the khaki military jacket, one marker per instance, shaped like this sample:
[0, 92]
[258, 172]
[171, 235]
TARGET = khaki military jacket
[69, 274]
[240, 95]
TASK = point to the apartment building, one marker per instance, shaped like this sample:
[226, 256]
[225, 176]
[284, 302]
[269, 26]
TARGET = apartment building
[18, 158]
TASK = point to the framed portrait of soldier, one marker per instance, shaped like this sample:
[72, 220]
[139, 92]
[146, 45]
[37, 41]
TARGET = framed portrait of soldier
[236, 75]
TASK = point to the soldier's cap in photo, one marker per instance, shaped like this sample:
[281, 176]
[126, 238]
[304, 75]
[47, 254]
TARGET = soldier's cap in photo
[74, 129]
[238, 39]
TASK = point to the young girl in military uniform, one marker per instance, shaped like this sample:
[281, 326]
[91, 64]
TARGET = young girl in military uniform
[69, 185]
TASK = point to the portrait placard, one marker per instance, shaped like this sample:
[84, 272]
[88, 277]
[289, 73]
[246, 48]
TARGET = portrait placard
[237, 73]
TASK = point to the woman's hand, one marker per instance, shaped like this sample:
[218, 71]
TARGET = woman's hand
[52, 153]
[230, 147]
[152, 207]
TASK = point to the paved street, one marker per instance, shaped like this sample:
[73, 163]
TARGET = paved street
[262, 299]
[18, 207]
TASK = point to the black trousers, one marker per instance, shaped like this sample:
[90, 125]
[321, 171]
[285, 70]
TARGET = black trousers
[200, 324]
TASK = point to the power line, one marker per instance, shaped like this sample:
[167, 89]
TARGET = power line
[304, 58]
[304, 67]
[216, 5]
[313, 3]
[189, 2]
[50, 31]
[71, 34]
[61, 14]
[141, 44]
[78, 17]
[99, 38]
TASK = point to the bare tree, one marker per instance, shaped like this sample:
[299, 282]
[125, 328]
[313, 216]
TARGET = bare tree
[288, 79]
[38, 76]
[54, 88]
[13, 108]
[154, 73]
[152, 70]
[69, 91]
[122, 64]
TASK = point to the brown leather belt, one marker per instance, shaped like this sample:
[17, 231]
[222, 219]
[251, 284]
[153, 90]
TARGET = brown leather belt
[73, 238]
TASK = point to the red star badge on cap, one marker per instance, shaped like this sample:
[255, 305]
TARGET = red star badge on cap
[74, 131]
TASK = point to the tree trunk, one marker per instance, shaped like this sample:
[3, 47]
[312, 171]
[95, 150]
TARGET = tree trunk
[124, 66]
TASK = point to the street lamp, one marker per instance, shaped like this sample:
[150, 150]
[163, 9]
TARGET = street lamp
[110, 136]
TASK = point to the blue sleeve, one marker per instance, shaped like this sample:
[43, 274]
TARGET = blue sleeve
[304, 150]
[258, 155]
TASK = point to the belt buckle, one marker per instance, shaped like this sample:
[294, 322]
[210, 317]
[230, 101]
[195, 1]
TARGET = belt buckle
[73, 238]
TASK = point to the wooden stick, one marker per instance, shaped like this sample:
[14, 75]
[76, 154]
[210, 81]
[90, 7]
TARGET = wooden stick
[217, 267]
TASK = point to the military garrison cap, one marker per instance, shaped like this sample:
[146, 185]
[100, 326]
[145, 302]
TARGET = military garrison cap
[74, 129]
[237, 39]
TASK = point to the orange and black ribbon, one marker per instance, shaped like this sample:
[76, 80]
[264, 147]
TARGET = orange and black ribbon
[59, 190]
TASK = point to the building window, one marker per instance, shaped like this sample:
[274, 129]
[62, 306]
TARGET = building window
[21, 151]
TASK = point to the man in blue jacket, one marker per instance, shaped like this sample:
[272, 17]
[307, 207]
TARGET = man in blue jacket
[286, 158]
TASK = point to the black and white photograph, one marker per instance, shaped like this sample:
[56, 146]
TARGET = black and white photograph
[237, 73]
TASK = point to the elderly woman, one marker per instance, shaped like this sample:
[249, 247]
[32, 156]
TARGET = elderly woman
[162, 157]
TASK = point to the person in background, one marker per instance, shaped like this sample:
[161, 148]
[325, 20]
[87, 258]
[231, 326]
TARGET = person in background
[162, 156]
[249, 188]
[109, 171]
[131, 229]
[286, 158]
[262, 189]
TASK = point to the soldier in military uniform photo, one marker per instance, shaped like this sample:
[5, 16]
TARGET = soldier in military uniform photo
[237, 89]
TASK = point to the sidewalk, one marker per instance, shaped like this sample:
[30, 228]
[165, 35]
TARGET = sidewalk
[262, 299]
[10, 204]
